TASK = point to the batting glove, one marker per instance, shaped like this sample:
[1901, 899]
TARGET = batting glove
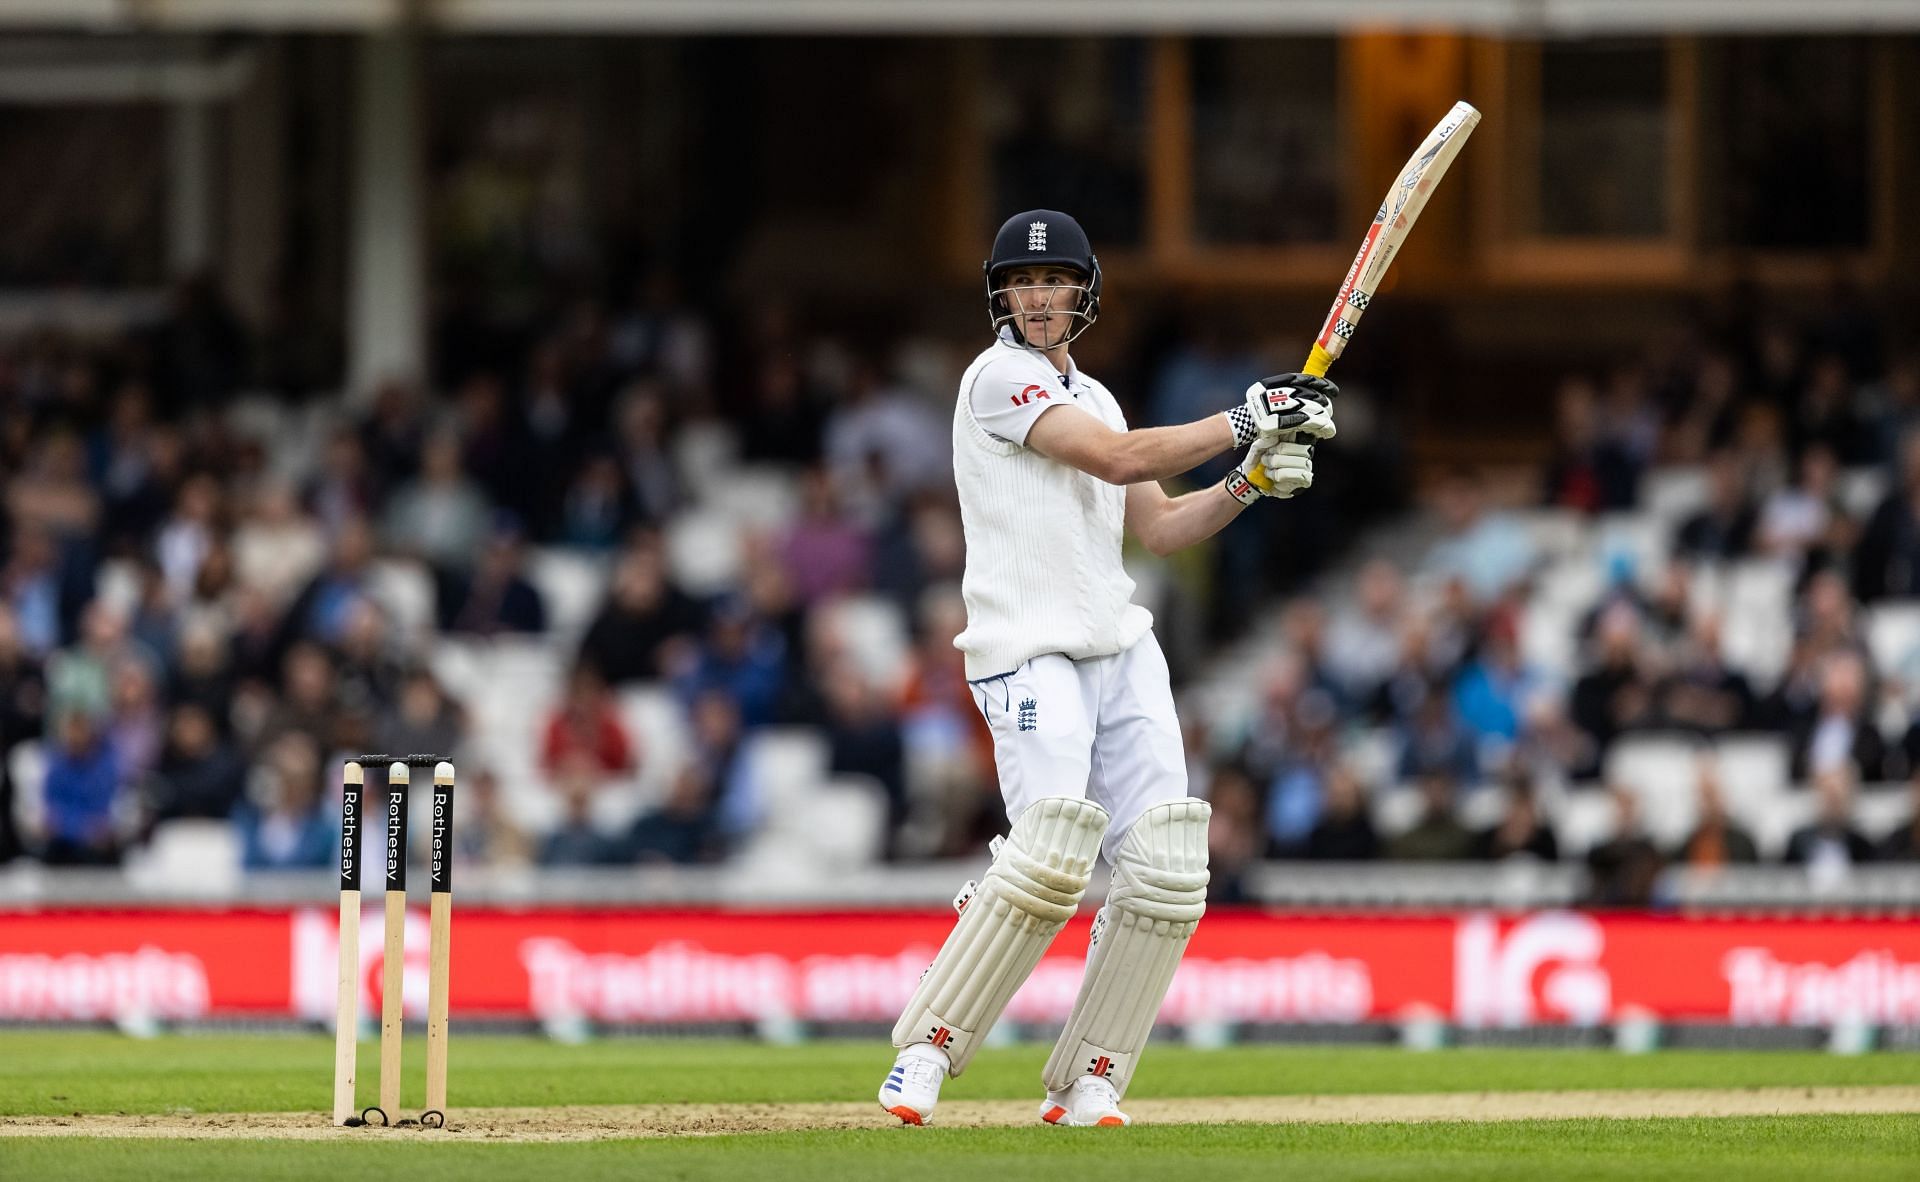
[1284, 403]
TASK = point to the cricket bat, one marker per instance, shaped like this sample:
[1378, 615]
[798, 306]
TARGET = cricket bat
[1390, 227]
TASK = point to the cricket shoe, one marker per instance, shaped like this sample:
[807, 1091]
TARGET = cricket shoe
[1088, 1101]
[913, 1085]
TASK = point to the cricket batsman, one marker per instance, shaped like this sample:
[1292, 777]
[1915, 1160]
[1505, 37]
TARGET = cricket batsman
[1066, 670]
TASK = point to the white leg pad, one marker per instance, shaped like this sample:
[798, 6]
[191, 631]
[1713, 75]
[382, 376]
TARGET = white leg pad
[1159, 893]
[1034, 886]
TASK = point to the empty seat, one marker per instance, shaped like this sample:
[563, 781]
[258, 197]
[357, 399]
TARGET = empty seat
[27, 768]
[1879, 809]
[875, 631]
[1673, 493]
[1583, 819]
[1754, 770]
[191, 856]
[571, 584]
[1659, 770]
[1862, 489]
[704, 551]
[1771, 828]
[1374, 756]
[1893, 637]
[403, 588]
[1396, 809]
[1555, 533]
[759, 497]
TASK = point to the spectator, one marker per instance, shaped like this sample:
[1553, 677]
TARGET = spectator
[1589, 471]
[871, 420]
[1491, 689]
[23, 696]
[199, 774]
[486, 835]
[744, 656]
[342, 493]
[1805, 523]
[137, 724]
[1297, 792]
[308, 696]
[1886, 562]
[1551, 748]
[585, 731]
[1520, 833]
[1615, 695]
[370, 668]
[288, 829]
[494, 596]
[1488, 551]
[1716, 840]
[594, 511]
[1700, 691]
[30, 589]
[424, 718]
[83, 794]
[277, 547]
[1830, 846]
[1435, 740]
[1903, 844]
[1438, 835]
[783, 416]
[1234, 838]
[1722, 531]
[1363, 641]
[863, 739]
[576, 841]
[824, 552]
[322, 608]
[202, 675]
[681, 830]
[441, 516]
[642, 614]
[1841, 729]
[1344, 832]
[653, 491]
[1625, 868]
[949, 747]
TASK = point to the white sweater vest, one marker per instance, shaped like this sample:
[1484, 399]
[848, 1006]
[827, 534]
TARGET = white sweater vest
[1043, 539]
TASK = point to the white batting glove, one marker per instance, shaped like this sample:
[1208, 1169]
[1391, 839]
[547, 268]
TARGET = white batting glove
[1271, 469]
[1283, 403]
[1287, 468]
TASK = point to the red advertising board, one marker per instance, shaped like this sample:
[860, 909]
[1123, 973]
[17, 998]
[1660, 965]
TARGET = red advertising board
[666, 966]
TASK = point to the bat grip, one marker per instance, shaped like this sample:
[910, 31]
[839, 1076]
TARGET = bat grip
[1319, 361]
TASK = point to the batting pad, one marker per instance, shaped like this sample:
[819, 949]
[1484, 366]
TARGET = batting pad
[1159, 893]
[1039, 874]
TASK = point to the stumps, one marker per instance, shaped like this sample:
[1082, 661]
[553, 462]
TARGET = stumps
[394, 941]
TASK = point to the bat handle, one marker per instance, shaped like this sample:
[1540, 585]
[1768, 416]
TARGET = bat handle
[1319, 361]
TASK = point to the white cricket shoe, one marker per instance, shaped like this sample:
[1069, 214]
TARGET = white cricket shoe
[1088, 1101]
[913, 1085]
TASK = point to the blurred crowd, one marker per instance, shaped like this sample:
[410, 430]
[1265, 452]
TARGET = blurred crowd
[1770, 413]
[191, 624]
[193, 557]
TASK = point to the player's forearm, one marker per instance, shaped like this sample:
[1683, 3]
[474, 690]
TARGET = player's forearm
[1189, 518]
[1161, 453]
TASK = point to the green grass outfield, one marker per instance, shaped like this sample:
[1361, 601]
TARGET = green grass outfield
[56, 1074]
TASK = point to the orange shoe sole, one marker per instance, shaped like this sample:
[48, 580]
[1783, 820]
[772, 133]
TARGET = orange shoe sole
[907, 1115]
[1109, 1122]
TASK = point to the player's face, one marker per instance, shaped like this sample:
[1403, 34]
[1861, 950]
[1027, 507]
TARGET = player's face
[1043, 300]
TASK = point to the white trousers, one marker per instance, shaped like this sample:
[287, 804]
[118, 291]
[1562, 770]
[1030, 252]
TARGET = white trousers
[1101, 728]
